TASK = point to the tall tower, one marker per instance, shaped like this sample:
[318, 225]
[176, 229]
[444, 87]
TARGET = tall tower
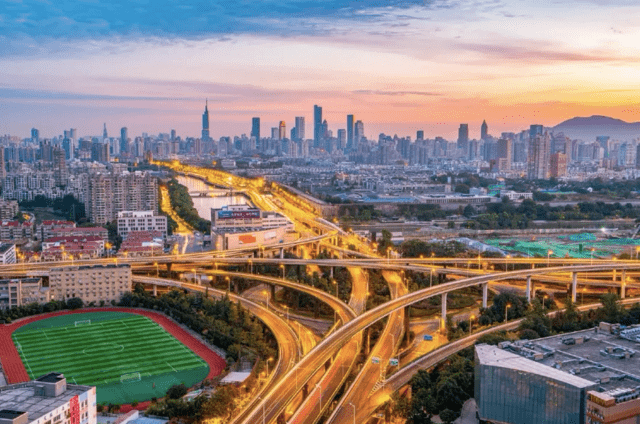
[124, 140]
[255, 130]
[282, 131]
[300, 128]
[539, 157]
[205, 121]
[484, 131]
[35, 135]
[358, 134]
[463, 136]
[317, 125]
[104, 131]
[349, 132]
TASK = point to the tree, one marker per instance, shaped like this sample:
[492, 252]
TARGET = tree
[448, 416]
[611, 311]
[75, 303]
[469, 211]
[177, 391]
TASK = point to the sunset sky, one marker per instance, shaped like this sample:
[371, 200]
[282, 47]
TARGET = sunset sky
[398, 66]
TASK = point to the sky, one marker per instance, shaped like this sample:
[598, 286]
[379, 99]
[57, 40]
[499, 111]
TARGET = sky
[397, 65]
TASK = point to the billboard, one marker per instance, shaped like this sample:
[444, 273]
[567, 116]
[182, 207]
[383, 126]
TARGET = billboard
[247, 214]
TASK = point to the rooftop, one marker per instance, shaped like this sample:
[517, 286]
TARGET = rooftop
[605, 359]
[21, 398]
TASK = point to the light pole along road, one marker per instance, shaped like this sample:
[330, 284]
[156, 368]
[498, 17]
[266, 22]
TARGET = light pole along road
[280, 395]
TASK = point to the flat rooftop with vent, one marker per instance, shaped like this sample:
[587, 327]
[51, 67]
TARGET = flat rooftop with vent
[47, 400]
[590, 376]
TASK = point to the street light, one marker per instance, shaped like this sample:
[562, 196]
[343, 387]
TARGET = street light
[471, 318]
[506, 307]
[282, 267]
[250, 266]
[266, 293]
[549, 253]
[228, 283]
[157, 270]
[543, 299]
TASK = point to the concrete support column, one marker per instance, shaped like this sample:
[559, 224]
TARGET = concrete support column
[623, 285]
[407, 320]
[485, 294]
[443, 318]
[273, 292]
[529, 288]
[282, 253]
[367, 343]
[155, 290]
[615, 275]
[574, 286]
[331, 273]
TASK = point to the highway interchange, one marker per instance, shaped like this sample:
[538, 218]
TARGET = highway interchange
[307, 375]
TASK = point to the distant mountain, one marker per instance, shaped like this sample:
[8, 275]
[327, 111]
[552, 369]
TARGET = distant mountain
[588, 129]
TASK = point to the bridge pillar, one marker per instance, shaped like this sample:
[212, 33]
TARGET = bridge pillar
[367, 343]
[485, 294]
[529, 288]
[282, 253]
[273, 292]
[155, 290]
[574, 286]
[623, 285]
[443, 318]
[407, 320]
[331, 273]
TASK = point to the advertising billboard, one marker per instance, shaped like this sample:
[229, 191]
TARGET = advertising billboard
[250, 214]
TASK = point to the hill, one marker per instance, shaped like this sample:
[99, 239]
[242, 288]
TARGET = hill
[588, 128]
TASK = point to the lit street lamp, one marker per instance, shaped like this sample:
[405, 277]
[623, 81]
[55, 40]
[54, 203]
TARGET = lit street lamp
[506, 308]
[471, 318]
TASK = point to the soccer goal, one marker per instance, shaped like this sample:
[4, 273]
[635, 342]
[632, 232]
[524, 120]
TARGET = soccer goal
[128, 378]
[83, 322]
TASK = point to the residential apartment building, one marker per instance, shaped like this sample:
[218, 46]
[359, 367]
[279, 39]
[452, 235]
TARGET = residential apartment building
[16, 230]
[111, 193]
[45, 230]
[129, 221]
[90, 283]
[18, 292]
[8, 209]
[7, 253]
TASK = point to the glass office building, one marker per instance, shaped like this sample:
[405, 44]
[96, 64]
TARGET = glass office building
[512, 389]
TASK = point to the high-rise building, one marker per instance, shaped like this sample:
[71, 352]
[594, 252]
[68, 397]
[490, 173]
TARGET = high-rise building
[3, 166]
[109, 194]
[538, 159]
[35, 135]
[535, 130]
[104, 131]
[300, 133]
[317, 125]
[505, 152]
[205, 121]
[420, 135]
[255, 130]
[349, 132]
[463, 137]
[358, 134]
[342, 139]
[60, 173]
[173, 135]
[484, 131]
[124, 140]
[558, 165]
[282, 130]
[275, 133]
[100, 152]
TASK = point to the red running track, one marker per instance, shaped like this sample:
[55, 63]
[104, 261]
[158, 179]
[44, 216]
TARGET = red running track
[14, 369]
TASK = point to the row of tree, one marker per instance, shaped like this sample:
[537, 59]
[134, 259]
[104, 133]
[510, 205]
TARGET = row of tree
[182, 204]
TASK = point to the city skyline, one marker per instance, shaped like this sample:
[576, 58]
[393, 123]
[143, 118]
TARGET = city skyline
[141, 67]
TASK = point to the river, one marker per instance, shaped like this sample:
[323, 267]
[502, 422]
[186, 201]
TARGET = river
[215, 198]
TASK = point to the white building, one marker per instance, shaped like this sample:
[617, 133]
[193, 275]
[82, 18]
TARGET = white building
[140, 221]
[48, 399]
[7, 253]
[19, 292]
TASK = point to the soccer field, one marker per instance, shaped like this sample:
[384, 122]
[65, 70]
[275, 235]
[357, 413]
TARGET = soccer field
[128, 357]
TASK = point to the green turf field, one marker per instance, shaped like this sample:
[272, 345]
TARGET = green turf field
[101, 352]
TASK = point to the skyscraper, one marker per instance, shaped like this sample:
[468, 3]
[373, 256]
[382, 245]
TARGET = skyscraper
[255, 129]
[535, 130]
[104, 131]
[317, 125]
[3, 166]
[538, 159]
[35, 135]
[73, 133]
[124, 140]
[282, 130]
[173, 135]
[300, 128]
[60, 173]
[420, 135]
[205, 121]
[463, 137]
[505, 152]
[358, 134]
[484, 130]
[349, 132]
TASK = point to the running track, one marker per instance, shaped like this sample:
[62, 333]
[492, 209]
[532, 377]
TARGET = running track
[14, 369]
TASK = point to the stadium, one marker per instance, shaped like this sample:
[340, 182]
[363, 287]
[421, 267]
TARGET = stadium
[128, 354]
